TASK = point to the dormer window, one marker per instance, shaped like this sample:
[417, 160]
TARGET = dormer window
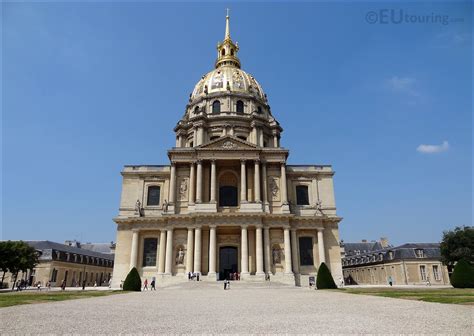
[419, 253]
[390, 255]
[380, 256]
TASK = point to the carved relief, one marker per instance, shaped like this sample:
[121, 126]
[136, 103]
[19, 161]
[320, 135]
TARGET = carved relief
[217, 81]
[274, 187]
[183, 188]
[229, 239]
[229, 145]
[237, 80]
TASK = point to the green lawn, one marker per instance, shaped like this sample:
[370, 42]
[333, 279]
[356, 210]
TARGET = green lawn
[8, 299]
[447, 295]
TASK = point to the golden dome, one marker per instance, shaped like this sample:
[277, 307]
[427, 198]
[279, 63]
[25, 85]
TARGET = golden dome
[228, 79]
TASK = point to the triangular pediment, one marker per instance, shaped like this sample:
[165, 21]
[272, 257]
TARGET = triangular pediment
[228, 142]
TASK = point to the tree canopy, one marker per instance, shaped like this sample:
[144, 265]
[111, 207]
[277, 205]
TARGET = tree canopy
[457, 244]
[17, 256]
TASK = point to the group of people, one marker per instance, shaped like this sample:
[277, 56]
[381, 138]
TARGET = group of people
[152, 284]
[234, 276]
[193, 276]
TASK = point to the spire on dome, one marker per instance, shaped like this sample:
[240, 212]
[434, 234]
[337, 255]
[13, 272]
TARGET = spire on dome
[227, 26]
[227, 49]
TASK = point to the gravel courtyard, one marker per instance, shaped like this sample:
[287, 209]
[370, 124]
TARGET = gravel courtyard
[203, 308]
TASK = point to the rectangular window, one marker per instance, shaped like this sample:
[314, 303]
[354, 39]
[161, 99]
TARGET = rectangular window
[436, 272]
[302, 197]
[149, 251]
[423, 272]
[306, 251]
[153, 195]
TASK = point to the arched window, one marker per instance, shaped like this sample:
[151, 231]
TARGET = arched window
[232, 51]
[240, 106]
[196, 110]
[153, 195]
[216, 107]
[223, 52]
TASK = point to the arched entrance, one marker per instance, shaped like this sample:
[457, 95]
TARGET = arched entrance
[228, 261]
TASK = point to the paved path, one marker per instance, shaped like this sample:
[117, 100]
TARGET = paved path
[245, 308]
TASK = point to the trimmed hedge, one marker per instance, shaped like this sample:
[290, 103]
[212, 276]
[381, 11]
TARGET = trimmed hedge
[132, 281]
[463, 275]
[324, 278]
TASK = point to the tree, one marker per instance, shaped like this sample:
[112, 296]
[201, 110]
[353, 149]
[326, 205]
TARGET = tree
[6, 257]
[17, 256]
[324, 279]
[457, 244]
[463, 275]
[132, 281]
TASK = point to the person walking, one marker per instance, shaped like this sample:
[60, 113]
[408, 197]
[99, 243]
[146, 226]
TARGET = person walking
[38, 285]
[83, 284]
[145, 284]
[341, 281]
[63, 285]
[152, 284]
[390, 281]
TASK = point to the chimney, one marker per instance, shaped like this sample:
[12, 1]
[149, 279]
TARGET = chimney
[384, 242]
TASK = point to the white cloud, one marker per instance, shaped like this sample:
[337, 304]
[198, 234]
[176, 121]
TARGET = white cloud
[430, 149]
[405, 85]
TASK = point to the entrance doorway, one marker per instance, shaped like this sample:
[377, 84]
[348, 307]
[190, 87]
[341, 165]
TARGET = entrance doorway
[228, 261]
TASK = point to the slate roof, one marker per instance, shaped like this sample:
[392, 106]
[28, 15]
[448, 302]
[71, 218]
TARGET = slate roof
[49, 245]
[97, 247]
[403, 252]
[351, 248]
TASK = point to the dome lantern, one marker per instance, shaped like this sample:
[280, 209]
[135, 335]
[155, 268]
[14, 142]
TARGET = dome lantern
[227, 49]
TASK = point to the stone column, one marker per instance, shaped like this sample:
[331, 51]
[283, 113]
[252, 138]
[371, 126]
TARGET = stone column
[212, 250]
[197, 250]
[169, 251]
[256, 186]
[322, 253]
[161, 256]
[284, 194]
[259, 249]
[213, 181]
[245, 251]
[264, 183]
[294, 252]
[275, 141]
[172, 184]
[260, 136]
[189, 250]
[199, 182]
[266, 246]
[134, 251]
[287, 250]
[243, 182]
[192, 184]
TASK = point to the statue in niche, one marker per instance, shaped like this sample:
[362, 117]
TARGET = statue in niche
[319, 206]
[276, 255]
[138, 208]
[180, 257]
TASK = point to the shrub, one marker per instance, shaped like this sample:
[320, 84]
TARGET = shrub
[324, 279]
[132, 281]
[463, 275]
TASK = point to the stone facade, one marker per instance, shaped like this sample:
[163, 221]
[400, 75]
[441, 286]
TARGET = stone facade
[58, 262]
[408, 264]
[228, 201]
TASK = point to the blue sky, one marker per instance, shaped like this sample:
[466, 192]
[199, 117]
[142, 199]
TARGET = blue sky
[88, 88]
